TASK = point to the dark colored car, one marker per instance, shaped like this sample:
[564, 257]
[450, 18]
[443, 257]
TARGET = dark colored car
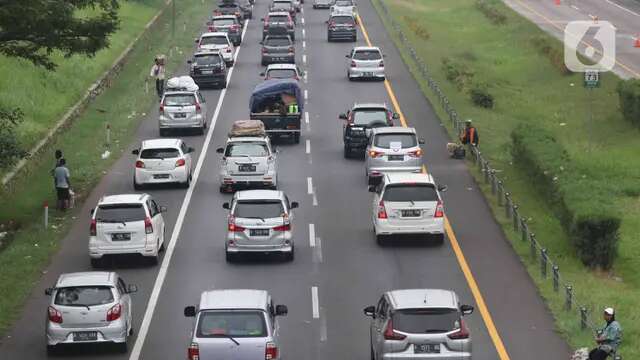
[342, 27]
[278, 23]
[277, 49]
[359, 122]
[278, 6]
[230, 9]
[208, 69]
[228, 24]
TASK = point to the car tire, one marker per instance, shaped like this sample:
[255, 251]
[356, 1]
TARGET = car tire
[355, 38]
[438, 238]
[122, 347]
[156, 259]
[223, 85]
[296, 138]
[290, 256]
[136, 186]
[187, 183]
[349, 77]
[380, 239]
[96, 263]
[163, 132]
[347, 152]
[229, 257]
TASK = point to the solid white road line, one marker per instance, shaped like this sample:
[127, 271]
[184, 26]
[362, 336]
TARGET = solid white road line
[315, 309]
[309, 186]
[306, 117]
[312, 235]
[622, 8]
[162, 273]
[308, 146]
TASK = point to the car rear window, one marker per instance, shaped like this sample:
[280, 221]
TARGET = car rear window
[167, 153]
[385, 141]
[208, 60]
[228, 6]
[231, 323]
[278, 18]
[120, 213]
[343, 3]
[83, 296]
[214, 40]
[281, 73]
[246, 149]
[223, 22]
[179, 99]
[426, 321]
[280, 41]
[367, 55]
[283, 6]
[368, 117]
[343, 20]
[410, 192]
[259, 209]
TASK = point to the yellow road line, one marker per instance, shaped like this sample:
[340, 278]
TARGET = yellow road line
[466, 270]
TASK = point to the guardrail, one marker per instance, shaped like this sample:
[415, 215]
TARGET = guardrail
[549, 270]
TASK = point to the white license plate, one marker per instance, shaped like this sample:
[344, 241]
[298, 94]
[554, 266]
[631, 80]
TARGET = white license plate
[426, 349]
[121, 237]
[207, 72]
[368, 74]
[85, 336]
[259, 232]
[179, 115]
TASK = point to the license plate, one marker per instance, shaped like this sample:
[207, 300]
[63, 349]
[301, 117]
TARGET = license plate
[179, 115]
[396, 157]
[85, 336]
[369, 74]
[121, 236]
[411, 213]
[207, 72]
[259, 232]
[426, 349]
[247, 168]
[161, 176]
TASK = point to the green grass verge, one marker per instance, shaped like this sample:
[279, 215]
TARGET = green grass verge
[123, 106]
[528, 86]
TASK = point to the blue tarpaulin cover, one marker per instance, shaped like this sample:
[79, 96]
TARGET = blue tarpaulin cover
[270, 90]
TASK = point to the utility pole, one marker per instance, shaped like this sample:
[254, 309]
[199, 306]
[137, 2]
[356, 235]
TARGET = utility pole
[173, 19]
[591, 81]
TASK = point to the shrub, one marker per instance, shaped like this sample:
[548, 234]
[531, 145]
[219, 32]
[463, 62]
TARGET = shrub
[417, 28]
[551, 49]
[582, 204]
[10, 148]
[481, 97]
[491, 12]
[629, 95]
[457, 72]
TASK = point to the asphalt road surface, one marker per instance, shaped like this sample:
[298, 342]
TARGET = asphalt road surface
[337, 257]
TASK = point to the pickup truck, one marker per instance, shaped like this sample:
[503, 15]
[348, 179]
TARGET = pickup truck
[270, 102]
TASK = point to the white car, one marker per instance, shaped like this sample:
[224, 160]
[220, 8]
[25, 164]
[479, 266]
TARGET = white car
[407, 204]
[249, 162]
[365, 63]
[163, 161]
[282, 71]
[217, 41]
[344, 7]
[126, 224]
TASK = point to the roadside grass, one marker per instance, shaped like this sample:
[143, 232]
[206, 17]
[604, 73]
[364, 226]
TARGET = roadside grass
[44, 96]
[528, 88]
[123, 105]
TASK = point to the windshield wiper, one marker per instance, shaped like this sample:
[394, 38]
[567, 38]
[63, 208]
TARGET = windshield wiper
[254, 217]
[231, 338]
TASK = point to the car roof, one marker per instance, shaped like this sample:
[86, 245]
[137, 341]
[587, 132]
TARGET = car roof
[282, 66]
[362, 48]
[225, 17]
[278, 13]
[259, 195]
[207, 52]
[233, 299]
[214, 34]
[423, 298]
[278, 37]
[160, 143]
[87, 278]
[406, 177]
[122, 199]
[248, 138]
[394, 130]
[357, 106]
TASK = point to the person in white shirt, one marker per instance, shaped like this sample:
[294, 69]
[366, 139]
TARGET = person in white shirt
[157, 72]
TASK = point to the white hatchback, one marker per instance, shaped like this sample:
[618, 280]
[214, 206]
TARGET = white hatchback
[217, 41]
[126, 224]
[162, 161]
[365, 63]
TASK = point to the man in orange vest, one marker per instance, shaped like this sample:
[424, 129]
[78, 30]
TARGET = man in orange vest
[470, 134]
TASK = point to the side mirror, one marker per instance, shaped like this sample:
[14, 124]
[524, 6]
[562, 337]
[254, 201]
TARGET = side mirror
[92, 211]
[189, 62]
[190, 150]
[261, 19]
[347, 56]
[421, 141]
[395, 116]
[163, 209]
[197, 40]
[326, 22]
[466, 309]
[342, 116]
[209, 23]
[372, 188]
[442, 188]
[226, 206]
[281, 310]
[48, 291]
[220, 150]
[135, 152]
[370, 311]
[131, 288]
[190, 311]
[294, 205]
[261, 42]
[262, 74]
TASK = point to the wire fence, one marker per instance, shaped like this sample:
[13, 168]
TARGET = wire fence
[549, 269]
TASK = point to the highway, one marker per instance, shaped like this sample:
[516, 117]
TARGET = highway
[338, 269]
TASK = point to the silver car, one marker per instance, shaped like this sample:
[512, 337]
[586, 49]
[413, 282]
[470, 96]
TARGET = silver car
[392, 149]
[260, 221]
[365, 63]
[235, 324]
[182, 110]
[419, 324]
[89, 307]
[248, 161]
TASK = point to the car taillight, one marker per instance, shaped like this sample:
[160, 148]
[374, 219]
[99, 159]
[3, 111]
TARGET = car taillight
[462, 333]
[270, 351]
[161, 108]
[416, 153]
[374, 154]
[193, 352]
[291, 50]
[382, 212]
[233, 227]
[140, 164]
[285, 227]
[198, 108]
[290, 23]
[381, 64]
[54, 315]
[353, 63]
[264, 50]
[234, 27]
[92, 228]
[332, 24]
[389, 334]
[148, 226]
[439, 210]
[212, 29]
[114, 313]
[180, 162]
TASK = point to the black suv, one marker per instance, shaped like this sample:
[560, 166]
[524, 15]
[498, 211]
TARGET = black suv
[230, 8]
[359, 122]
[208, 68]
[341, 27]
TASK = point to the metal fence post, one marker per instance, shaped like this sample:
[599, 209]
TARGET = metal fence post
[478, 158]
[568, 301]
[515, 217]
[524, 229]
[493, 182]
[543, 263]
[583, 317]
[556, 277]
[532, 246]
[487, 170]
[500, 192]
[507, 205]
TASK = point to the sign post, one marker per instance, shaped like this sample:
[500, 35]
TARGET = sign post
[591, 81]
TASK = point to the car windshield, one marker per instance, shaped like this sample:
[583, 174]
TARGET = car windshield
[83, 296]
[387, 141]
[368, 117]
[167, 153]
[281, 73]
[208, 60]
[426, 321]
[120, 213]
[223, 22]
[410, 192]
[243, 323]
[279, 41]
[214, 40]
[367, 55]
[260, 209]
[278, 19]
[179, 100]
[247, 149]
[348, 20]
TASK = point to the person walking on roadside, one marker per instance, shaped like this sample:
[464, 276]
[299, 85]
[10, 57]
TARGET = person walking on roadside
[158, 72]
[61, 179]
[470, 134]
[608, 338]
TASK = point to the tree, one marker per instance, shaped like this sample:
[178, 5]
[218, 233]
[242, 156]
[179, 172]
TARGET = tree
[10, 149]
[34, 29]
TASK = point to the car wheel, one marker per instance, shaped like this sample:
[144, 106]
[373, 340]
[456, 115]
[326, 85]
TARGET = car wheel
[163, 132]
[290, 256]
[136, 186]
[439, 238]
[347, 152]
[380, 240]
[296, 138]
[223, 85]
[156, 259]
[229, 257]
[349, 77]
[123, 347]
[355, 38]
[96, 263]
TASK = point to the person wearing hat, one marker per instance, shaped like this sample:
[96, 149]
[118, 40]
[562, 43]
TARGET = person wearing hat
[470, 134]
[608, 338]
[157, 72]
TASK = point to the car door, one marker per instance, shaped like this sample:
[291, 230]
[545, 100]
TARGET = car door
[275, 326]
[377, 327]
[157, 221]
[273, 157]
[203, 105]
[125, 300]
[376, 200]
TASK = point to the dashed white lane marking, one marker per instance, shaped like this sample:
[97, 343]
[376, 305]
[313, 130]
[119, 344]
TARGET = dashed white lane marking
[312, 235]
[304, 77]
[304, 58]
[622, 8]
[309, 186]
[308, 146]
[306, 95]
[304, 44]
[315, 307]
[306, 117]
[315, 199]
[302, 20]
[575, 7]
[303, 34]
[323, 326]
[164, 267]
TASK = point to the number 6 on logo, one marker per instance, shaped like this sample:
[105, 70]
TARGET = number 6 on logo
[600, 46]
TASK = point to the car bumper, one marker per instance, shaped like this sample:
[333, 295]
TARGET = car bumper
[278, 58]
[434, 226]
[380, 170]
[366, 72]
[441, 356]
[321, 6]
[166, 123]
[114, 332]
[97, 252]
[209, 79]
[341, 34]
[179, 175]
[248, 181]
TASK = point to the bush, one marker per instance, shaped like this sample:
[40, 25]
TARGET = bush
[458, 73]
[481, 97]
[551, 49]
[10, 148]
[629, 95]
[582, 204]
[491, 12]
[417, 28]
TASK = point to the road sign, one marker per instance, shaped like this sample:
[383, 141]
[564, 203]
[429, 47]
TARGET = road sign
[591, 79]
